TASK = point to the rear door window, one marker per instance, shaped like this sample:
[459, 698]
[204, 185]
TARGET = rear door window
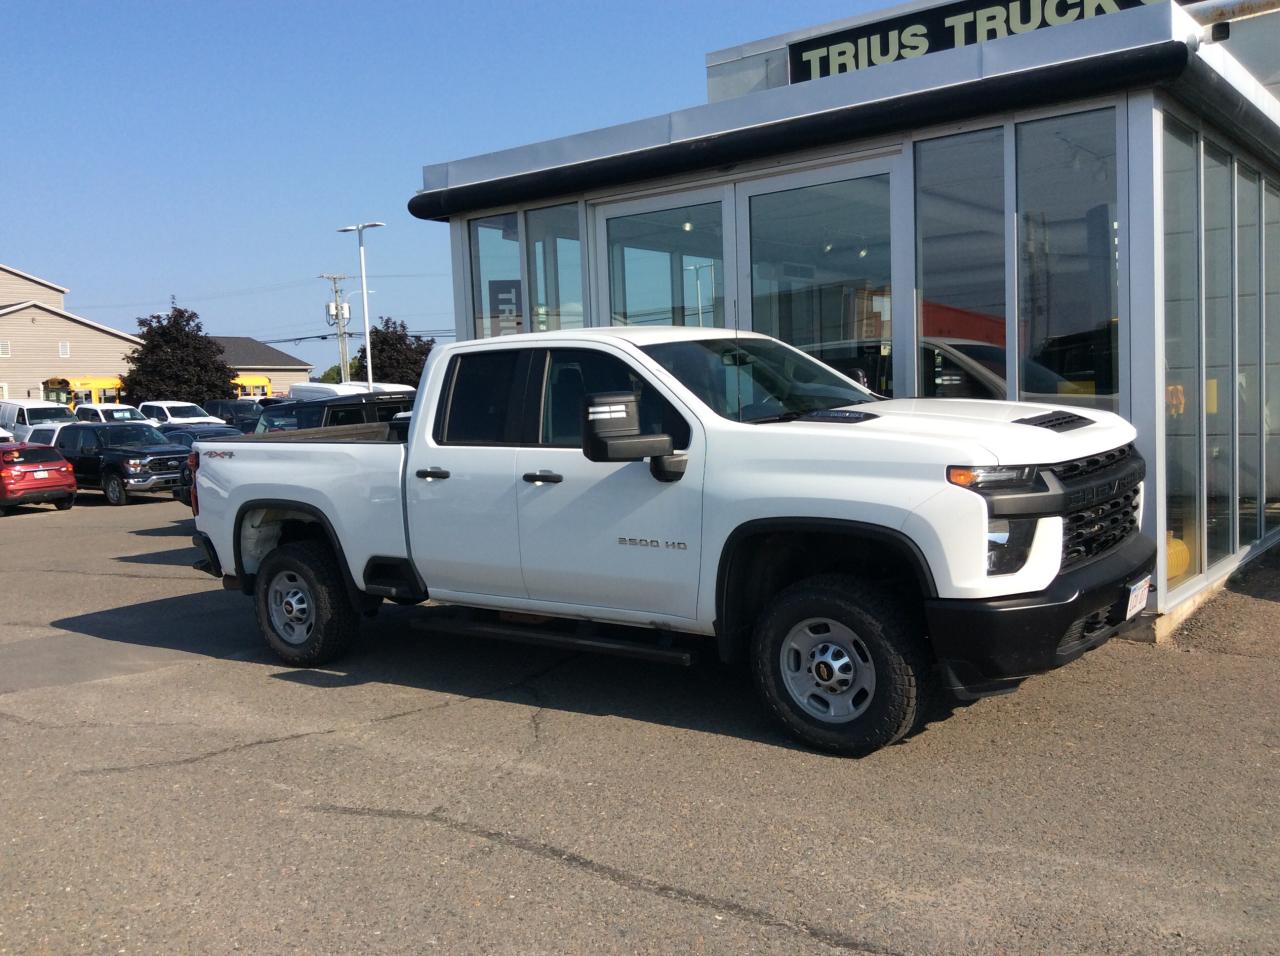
[347, 415]
[479, 409]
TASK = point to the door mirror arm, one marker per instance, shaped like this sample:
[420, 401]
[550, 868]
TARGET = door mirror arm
[668, 468]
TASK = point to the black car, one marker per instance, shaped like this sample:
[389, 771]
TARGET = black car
[241, 413]
[122, 458]
[187, 435]
[339, 410]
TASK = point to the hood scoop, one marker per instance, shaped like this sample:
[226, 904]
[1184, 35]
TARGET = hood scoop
[1056, 421]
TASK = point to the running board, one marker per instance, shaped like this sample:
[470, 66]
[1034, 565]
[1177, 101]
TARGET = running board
[584, 640]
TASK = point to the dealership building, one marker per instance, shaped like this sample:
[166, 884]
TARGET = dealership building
[1074, 201]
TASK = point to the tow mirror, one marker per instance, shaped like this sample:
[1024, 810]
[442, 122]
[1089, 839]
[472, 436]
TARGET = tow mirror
[611, 432]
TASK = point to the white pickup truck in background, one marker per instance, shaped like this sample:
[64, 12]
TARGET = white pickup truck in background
[676, 485]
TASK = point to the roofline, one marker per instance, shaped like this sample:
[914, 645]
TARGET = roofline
[31, 278]
[269, 368]
[33, 304]
[1152, 64]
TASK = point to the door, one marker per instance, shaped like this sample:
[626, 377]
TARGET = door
[665, 261]
[601, 534]
[460, 484]
[820, 254]
[80, 447]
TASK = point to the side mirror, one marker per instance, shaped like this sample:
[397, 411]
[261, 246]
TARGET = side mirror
[611, 430]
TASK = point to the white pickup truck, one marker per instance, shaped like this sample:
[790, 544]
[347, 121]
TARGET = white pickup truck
[671, 485]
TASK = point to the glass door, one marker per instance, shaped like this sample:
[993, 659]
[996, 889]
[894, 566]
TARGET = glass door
[664, 260]
[818, 267]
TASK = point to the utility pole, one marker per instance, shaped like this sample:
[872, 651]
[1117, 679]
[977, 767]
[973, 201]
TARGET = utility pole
[339, 313]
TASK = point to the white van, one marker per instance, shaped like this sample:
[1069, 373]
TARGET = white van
[18, 415]
[308, 391]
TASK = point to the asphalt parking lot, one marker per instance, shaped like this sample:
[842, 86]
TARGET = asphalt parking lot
[167, 787]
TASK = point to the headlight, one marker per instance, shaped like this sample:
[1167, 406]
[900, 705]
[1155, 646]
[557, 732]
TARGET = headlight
[983, 477]
[1009, 544]
[134, 465]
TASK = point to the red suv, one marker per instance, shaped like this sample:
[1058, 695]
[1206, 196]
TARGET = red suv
[30, 474]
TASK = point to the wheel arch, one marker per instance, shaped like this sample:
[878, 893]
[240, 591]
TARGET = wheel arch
[745, 580]
[288, 515]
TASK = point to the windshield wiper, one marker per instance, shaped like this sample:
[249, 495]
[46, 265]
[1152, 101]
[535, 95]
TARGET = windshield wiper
[830, 412]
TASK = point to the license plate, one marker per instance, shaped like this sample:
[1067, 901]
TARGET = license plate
[1137, 597]
[41, 474]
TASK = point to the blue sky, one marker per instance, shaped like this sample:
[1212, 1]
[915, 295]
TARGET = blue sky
[209, 151]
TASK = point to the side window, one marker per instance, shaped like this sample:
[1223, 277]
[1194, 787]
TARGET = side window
[348, 415]
[154, 411]
[385, 413]
[309, 417]
[943, 377]
[39, 436]
[85, 414]
[573, 374]
[69, 441]
[479, 404]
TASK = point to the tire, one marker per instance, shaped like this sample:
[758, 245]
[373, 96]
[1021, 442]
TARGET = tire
[303, 609]
[64, 504]
[115, 491]
[860, 647]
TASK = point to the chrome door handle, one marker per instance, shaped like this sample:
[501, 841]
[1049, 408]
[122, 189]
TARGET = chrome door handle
[540, 477]
[439, 473]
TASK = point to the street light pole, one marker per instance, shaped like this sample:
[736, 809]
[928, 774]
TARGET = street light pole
[364, 294]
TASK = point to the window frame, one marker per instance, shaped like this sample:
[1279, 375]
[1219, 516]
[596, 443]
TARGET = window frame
[536, 395]
[513, 426]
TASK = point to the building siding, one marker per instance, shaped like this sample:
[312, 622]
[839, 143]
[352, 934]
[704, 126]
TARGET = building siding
[34, 336]
[14, 289]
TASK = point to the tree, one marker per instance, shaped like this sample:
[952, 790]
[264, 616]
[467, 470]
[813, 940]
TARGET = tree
[398, 357]
[176, 360]
[332, 375]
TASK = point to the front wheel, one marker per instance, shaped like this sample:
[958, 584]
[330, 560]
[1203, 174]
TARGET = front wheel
[113, 487]
[841, 664]
[303, 608]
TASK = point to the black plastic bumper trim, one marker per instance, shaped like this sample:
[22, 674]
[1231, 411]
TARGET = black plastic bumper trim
[209, 564]
[987, 646]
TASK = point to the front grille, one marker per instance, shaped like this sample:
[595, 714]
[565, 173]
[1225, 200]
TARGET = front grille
[1100, 527]
[163, 466]
[1073, 470]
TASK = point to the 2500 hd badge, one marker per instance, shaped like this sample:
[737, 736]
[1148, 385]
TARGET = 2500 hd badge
[652, 543]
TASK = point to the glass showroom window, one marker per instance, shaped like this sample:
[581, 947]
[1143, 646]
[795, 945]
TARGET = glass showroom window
[1249, 367]
[1219, 399]
[1067, 246]
[1181, 354]
[960, 265]
[667, 267]
[1271, 369]
[820, 274]
[495, 275]
[554, 268]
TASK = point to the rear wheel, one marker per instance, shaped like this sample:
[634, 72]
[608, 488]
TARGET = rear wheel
[113, 487]
[64, 504]
[842, 664]
[303, 608]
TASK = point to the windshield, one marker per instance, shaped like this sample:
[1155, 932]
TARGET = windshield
[123, 415]
[59, 414]
[128, 435]
[187, 411]
[755, 380]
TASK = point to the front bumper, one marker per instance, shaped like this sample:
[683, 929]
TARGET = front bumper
[152, 482]
[990, 645]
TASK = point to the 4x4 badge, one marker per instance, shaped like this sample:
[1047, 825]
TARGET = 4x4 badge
[219, 454]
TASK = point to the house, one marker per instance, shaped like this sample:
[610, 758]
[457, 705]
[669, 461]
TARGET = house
[261, 369]
[48, 352]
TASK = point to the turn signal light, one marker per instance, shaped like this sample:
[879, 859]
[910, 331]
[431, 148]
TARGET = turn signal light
[991, 476]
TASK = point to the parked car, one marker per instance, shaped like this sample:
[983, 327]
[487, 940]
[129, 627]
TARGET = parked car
[5, 436]
[34, 474]
[310, 391]
[109, 412]
[122, 458]
[238, 412]
[339, 410]
[177, 413]
[19, 415]
[714, 485]
[47, 434]
[187, 435]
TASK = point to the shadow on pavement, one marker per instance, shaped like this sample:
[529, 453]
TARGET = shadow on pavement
[178, 528]
[176, 558]
[397, 647]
